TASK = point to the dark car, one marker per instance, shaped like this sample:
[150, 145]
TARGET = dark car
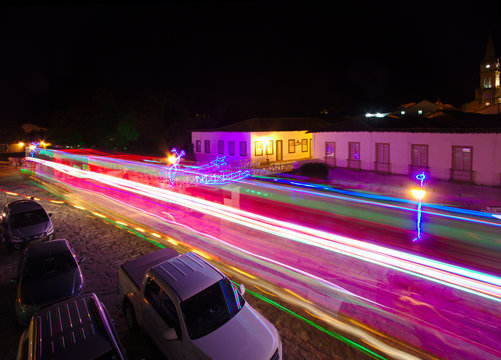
[78, 328]
[25, 221]
[48, 272]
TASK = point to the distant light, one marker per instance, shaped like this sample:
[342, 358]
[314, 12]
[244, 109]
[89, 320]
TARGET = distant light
[21, 143]
[402, 112]
[487, 103]
[487, 66]
[420, 112]
[378, 115]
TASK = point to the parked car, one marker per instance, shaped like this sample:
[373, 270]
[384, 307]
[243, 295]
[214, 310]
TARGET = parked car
[25, 221]
[48, 272]
[192, 311]
[78, 328]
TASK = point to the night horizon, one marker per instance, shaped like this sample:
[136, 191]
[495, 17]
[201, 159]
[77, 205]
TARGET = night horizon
[242, 60]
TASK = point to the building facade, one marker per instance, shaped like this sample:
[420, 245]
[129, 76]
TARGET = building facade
[464, 157]
[259, 141]
[488, 94]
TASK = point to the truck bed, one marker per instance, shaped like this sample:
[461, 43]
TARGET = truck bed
[136, 268]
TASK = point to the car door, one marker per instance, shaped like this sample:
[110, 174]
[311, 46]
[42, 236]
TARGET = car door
[158, 315]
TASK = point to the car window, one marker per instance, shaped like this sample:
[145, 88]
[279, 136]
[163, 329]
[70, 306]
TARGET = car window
[55, 264]
[28, 218]
[211, 308]
[167, 311]
[152, 292]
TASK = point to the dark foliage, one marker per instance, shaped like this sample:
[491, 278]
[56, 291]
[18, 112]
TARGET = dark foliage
[314, 170]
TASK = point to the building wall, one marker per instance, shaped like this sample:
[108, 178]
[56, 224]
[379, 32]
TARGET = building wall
[251, 139]
[291, 153]
[486, 164]
[203, 157]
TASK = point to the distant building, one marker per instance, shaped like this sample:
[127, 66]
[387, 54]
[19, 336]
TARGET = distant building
[257, 140]
[488, 95]
[422, 108]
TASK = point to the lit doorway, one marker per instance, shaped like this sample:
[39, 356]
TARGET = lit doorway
[279, 150]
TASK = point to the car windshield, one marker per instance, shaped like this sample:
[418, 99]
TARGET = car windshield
[211, 308]
[51, 265]
[28, 218]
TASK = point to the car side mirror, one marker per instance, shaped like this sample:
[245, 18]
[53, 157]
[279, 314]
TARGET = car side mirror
[81, 260]
[170, 334]
[241, 289]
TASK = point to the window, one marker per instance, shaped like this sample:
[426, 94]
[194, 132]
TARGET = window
[330, 153]
[419, 155]
[231, 147]
[330, 149]
[198, 146]
[292, 146]
[152, 292]
[462, 158]
[383, 153]
[269, 147]
[207, 146]
[258, 148]
[304, 145]
[420, 112]
[354, 150]
[167, 311]
[243, 148]
[220, 147]
[211, 308]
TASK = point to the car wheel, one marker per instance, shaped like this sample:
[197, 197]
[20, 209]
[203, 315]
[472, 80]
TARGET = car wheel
[130, 315]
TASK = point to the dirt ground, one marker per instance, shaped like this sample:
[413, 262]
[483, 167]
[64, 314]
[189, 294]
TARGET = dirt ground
[105, 247]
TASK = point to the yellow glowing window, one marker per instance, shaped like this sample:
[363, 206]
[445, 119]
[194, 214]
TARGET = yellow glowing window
[269, 147]
[258, 148]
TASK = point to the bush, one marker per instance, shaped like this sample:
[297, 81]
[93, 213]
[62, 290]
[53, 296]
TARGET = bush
[315, 170]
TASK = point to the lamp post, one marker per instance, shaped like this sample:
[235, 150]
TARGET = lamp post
[419, 195]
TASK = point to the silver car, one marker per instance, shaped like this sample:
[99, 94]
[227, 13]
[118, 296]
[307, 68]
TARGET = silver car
[48, 272]
[23, 222]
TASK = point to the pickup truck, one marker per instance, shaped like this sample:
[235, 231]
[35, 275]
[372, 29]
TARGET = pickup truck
[191, 310]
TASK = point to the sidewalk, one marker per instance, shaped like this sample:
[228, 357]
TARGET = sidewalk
[472, 197]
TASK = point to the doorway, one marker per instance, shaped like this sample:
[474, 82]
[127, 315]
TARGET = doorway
[279, 150]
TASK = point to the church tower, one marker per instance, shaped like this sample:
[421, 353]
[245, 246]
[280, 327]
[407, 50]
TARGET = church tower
[489, 92]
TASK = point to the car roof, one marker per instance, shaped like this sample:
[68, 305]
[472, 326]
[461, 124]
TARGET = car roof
[75, 328]
[187, 274]
[47, 248]
[20, 206]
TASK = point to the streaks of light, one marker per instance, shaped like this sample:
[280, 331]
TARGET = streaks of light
[460, 278]
[242, 272]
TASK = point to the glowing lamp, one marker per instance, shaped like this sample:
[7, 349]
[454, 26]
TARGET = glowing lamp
[21, 143]
[32, 147]
[418, 193]
[172, 159]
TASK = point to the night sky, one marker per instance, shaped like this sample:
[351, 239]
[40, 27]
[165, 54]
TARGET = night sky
[237, 60]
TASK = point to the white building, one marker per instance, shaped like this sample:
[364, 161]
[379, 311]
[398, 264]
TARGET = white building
[447, 145]
[257, 140]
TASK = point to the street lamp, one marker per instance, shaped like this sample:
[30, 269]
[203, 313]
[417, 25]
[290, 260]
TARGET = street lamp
[419, 195]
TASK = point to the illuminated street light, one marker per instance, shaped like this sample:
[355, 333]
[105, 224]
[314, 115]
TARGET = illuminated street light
[419, 195]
